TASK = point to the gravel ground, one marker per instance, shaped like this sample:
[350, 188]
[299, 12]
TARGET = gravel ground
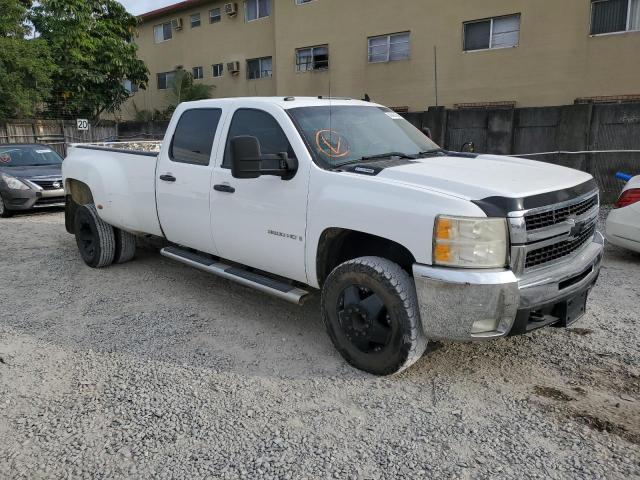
[152, 369]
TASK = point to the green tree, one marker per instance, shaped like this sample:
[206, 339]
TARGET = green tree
[25, 64]
[93, 44]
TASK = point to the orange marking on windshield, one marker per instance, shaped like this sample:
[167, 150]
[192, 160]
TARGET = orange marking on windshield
[325, 145]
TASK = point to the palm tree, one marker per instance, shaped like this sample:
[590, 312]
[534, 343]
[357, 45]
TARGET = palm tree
[184, 90]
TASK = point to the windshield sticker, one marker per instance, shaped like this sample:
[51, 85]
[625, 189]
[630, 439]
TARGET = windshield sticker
[393, 115]
[332, 144]
[43, 151]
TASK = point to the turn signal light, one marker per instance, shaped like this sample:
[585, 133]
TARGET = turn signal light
[442, 253]
[628, 197]
[443, 229]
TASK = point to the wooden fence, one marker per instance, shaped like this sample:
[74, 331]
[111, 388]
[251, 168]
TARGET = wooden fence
[55, 133]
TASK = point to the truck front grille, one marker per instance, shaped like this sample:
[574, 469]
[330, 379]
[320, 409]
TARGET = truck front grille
[558, 250]
[49, 184]
[549, 218]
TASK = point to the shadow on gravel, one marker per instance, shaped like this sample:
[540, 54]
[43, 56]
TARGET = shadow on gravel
[40, 212]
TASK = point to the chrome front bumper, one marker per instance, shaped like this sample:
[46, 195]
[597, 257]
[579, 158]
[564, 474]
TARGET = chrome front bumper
[455, 304]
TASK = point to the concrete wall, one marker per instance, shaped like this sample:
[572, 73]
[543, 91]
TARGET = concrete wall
[556, 61]
[569, 128]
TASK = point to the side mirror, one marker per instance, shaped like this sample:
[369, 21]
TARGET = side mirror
[245, 157]
[427, 132]
[247, 160]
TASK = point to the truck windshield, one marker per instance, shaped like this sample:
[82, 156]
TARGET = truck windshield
[344, 134]
[28, 156]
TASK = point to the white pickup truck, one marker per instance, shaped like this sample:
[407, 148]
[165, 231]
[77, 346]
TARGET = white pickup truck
[407, 242]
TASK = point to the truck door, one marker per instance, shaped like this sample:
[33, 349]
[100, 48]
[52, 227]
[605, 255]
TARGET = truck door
[183, 183]
[261, 222]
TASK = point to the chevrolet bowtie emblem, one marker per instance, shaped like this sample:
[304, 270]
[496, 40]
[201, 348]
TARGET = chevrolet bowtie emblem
[576, 228]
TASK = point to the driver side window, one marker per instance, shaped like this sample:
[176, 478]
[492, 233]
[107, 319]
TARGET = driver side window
[264, 127]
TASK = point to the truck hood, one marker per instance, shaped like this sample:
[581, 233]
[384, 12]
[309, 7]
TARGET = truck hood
[476, 178]
[33, 171]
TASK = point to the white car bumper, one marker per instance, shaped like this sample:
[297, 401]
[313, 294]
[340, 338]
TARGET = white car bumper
[623, 227]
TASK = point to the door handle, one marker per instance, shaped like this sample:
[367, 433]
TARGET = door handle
[167, 178]
[224, 188]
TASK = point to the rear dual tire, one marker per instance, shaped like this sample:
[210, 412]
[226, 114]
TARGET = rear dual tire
[125, 246]
[99, 243]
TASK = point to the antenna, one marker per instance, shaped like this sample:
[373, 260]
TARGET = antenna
[435, 70]
[330, 111]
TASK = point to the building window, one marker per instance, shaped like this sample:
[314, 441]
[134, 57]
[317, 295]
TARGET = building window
[611, 16]
[215, 16]
[162, 32]
[198, 73]
[195, 20]
[499, 32]
[256, 9]
[217, 69]
[313, 58]
[165, 80]
[259, 68]
[130, 87]
[389, 48]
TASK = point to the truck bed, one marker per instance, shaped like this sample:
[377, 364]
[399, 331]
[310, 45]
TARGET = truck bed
[135, 147]
[122, 179]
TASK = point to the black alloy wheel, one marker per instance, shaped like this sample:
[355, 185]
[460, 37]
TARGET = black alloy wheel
[370, 309]
[364, 319]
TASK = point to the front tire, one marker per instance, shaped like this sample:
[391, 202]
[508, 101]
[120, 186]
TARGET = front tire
[370, 310]
[95, 238]
[4, 211]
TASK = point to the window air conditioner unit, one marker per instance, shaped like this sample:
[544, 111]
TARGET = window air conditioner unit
[231, 9]
[233, 67]
[176, 23]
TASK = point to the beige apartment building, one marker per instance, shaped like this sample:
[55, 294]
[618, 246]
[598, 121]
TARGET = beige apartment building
[406, 54]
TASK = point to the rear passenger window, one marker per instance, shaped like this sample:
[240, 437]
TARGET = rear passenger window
[261, 125]
[194, 135]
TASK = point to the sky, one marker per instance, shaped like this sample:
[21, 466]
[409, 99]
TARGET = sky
[137, 7]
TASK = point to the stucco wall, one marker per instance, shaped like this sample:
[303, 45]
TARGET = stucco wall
[556, 61]
[230, 40]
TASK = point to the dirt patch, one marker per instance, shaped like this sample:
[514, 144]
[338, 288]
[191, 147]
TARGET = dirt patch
[580, 331]
[553, 393]
[603, 425]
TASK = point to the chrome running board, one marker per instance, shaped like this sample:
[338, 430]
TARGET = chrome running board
[244, 277]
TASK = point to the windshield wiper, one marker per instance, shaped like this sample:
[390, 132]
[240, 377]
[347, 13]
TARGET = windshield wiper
[426, 153]
[377, 157]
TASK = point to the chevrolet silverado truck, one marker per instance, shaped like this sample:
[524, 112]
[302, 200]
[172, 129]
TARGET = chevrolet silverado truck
[407, 242]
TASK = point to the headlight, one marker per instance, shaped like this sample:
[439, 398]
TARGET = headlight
[470, 242]
[13, 183]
